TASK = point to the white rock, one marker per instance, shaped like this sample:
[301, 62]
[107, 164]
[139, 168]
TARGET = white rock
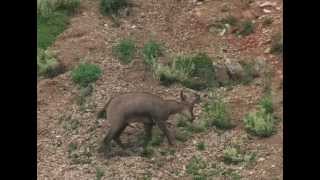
[268, 3]
[261, 159]
[266, 11]
[273, 166]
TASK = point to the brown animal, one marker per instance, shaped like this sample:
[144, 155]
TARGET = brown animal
[146, 108]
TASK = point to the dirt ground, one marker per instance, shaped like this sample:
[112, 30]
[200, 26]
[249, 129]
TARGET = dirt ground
[182, 26]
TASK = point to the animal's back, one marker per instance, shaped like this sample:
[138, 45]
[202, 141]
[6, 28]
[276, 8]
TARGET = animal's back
[134, 104]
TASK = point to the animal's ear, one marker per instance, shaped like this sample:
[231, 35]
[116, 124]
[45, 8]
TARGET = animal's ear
[182, 96]
[197, 100]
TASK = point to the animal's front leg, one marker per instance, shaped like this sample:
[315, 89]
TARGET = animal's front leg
[163, 127]
[148, 129]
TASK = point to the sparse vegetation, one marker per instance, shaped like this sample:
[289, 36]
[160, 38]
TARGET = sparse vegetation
[260, 123]
[147, 152]
[277, 44]
[195, 72]
[125, 51]
[151, 51]
[248, 73]
[201, 146]
[231, 20]
[71, 125]
[232, 156]
[47, 65]
[246, 28]
[85, 73]
[99, 173]
[112, 7]
[267, 21]
[195, 167]
[216, 114]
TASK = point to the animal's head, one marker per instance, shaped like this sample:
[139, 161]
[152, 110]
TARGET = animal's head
[188, 105]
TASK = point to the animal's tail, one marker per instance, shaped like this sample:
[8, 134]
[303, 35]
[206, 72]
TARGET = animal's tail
[102, 112]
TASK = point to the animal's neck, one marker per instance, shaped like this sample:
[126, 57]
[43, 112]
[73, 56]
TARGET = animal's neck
[173, 107]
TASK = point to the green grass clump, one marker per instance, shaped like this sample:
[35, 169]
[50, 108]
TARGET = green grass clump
[125, 51]
[232, 156]
[195, 72]
[52, 18]
[266, 104]
[195, 167]
[151, 51]
[112, 7]
[216, 114]
[201, 146]
[47, 65]
[86, 73]
[260, 123]
[246, 28]
[49, 27]
[99, 173]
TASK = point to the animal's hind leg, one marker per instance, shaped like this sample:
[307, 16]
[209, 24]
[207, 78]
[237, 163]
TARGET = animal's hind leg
[117, 136]
[164, 129]
[148, 129]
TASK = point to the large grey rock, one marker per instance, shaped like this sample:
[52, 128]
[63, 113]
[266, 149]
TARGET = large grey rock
[260, 67]
[234, 69]
[221, 73]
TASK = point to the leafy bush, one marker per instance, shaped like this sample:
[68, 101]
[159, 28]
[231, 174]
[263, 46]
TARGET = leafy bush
[85, 73]
[246, 28]
[195, 165]
[151, 51]
[260, 123]
[266, 104]
[195, 72]
[125, 51]
[47, 65]
[110, 7]
[232, 156]
[201, 146]
[216, 114]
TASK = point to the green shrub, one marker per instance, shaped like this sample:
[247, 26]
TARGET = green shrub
[151, 51]
[125, 51]
[52, 18]
[195, 165]
[260, 123]
[195, 72]
[47, 65]
[216, 114]
[201, 146]
[232, 156]
[99, 174]
[110, 7]
[49, 27]
[70, 5]
[266, 104]
[246, 28]
[85, 73]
